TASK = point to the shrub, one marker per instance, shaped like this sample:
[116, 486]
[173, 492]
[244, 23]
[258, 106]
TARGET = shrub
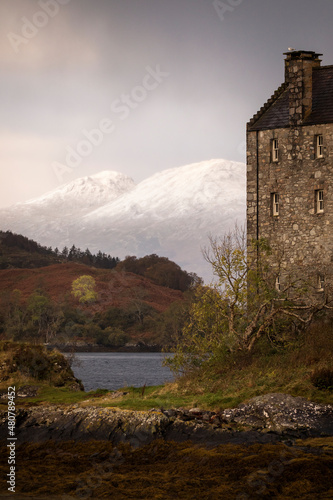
[115, 317]
[322, 378]
[35, 362]
[117, 337]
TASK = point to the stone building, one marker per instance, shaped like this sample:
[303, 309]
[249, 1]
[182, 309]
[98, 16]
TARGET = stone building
[290, 169]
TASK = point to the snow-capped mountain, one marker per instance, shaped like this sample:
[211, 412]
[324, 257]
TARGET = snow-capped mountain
[77, 197]
[47, 218]
[88, 193]
[170, 213]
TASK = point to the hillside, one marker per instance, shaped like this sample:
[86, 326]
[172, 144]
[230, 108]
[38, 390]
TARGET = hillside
[37, 304]
[115, 289]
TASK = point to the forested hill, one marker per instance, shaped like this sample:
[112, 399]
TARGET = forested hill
[38, 305]
[17, 251]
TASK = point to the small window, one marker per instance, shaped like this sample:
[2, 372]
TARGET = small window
[319, 201]
[319, 146]
[275, 150]
[275, 200]
[321, 283]
[278, 284]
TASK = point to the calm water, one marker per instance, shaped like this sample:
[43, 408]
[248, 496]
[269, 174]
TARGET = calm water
[113, 370]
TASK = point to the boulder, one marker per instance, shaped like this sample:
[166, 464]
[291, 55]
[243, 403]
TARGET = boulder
[27, 391]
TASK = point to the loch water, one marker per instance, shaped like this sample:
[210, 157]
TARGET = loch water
[115, 370]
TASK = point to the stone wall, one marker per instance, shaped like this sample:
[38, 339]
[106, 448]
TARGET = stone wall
[305, 236]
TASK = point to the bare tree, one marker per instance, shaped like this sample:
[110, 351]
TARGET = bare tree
[253, 295]
[252, 292]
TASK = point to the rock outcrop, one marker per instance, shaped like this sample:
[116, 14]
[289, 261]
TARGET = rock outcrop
[34, 362]
[283, 413]
[263, 419]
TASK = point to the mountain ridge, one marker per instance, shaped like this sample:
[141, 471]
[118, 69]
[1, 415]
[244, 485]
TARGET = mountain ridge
[171, 213]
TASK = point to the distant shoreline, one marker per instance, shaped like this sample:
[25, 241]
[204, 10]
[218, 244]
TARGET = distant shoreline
[140, 347]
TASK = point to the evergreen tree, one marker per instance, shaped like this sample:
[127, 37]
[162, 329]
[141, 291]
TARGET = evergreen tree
[64, 252]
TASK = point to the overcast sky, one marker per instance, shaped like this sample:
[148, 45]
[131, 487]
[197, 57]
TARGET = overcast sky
[166, 82]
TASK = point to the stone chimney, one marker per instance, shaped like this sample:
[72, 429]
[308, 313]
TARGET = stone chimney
[298, 75]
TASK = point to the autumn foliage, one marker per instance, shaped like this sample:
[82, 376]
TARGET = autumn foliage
[83, 288]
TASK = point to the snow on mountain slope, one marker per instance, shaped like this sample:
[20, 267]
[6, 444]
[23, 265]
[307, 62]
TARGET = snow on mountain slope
[47, 217]
[170, 213]
[178, 191]
[88, 192]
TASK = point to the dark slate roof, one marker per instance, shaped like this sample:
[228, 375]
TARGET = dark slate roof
[322, 98]
[275, 113]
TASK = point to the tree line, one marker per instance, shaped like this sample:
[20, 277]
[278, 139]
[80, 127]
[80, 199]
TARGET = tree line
[99, 260]
[10, 240]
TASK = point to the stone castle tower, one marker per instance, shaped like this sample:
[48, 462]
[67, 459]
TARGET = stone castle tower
[290, 168]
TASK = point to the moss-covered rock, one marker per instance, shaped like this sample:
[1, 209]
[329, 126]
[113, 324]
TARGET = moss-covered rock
[21, 361]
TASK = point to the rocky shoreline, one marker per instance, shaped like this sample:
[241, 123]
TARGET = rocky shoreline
[264, 419]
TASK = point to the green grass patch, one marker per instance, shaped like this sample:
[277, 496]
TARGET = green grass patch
[168, 396]
[153, 397]
[58, 396]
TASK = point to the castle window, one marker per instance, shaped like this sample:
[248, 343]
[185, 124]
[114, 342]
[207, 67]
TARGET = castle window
[319, 201]
[275, 150]
[321, 283]
[275, 203]
[319, 146]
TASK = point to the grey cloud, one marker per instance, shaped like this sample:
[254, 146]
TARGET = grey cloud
[93, 51]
